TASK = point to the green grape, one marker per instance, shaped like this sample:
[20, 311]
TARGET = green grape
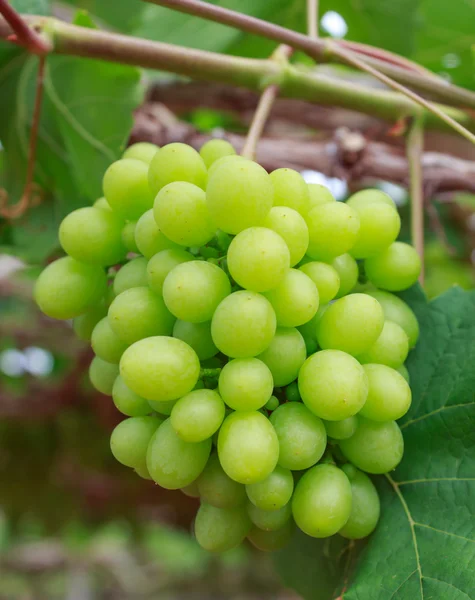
[191, 490]
[274, 492]
[347, 269]
[245, 384]
[84, 324]
[309, 330]
[333, 385]
[143, 472]
[272, 403]
[291, 227]
[221, 529]
[379, 225]
[324, 277]
[371, 197]
[132, 274]
[292, 392]
[198, 336]
[102, 375]
[143, 151]
[321, 504]
[93, 236]
[269, 520]
[390, 349]
[138, 313]
[130, 439]
[213, 150]
[110, 294]
[128, 402]
[352, 324]
[333, 230]
[319, 194]
[233, 159]
[217, 489]
[389, 394]
[248, 448]
[102, 203]
[67, 288]
[394, 269]
[149, 238]
[160, 368]
[162, 407]
[341, 430]
[105, 343]
[197, 415]
[239, 194]
[402, 370]
[365, 506]
[374, 447]
[192, 290]
[397, 311]
[176, 162]
[126, 188]
[128, 237]
[285, 355]
[181, 212]
[162, 263]
[269, 541]
[172, 462]
[258, 259]
[290, 190]
[243, 325]
[295, 300]
[302, 436]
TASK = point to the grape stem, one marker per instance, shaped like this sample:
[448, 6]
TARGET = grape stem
[22, 34]
[213, 373]
[414, 151]
[312, 19]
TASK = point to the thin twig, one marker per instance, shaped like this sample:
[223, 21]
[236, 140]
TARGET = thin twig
[312, 19]
[438, 228]
[415, 147]
[23, 35]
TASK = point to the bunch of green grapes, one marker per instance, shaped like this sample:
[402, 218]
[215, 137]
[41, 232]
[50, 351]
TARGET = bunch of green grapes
[250, 336]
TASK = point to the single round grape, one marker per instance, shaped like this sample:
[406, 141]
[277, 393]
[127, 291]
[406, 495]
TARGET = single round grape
[143, 151]
[172, 462]
[269, 541]
[394, 269]
[220, 529]
[126, 188]
[274, 492]
[102, 203]
[162, 407]
[130, 439]
[309, 330]
[93, 236]
[341, 430]
[191, 490]
[248, 448]
[138, 313]
[333, 229]
[128, 402]
[132, 274]
[128, 237]
[192, 290]
[102, 375]
[162, 263]
[181, 212]
[319, 194]
[402, 370]
[160, 368]
[213, 150]
[302, 436]
[176, 162]
[347, 269]
[149, 238]
[294, 300]
[258, 259]
[397, 311]
[84, 324]
[245, 384]
[390, 349]
[198, 336]
[197, 415]
[321, 504]
[269, 520]
[325, 277]
[291, 227]
[217, 489]
[290, 189]
[374, 447]
[292, 392]
[243, 325]
[272, 403]
[352, 324]
[371, 197]
[389, 394]
[239, 194]
[333, 385]
[233, 159]
[285, 355]
[105, 343]
[67, 288]
[365, 506]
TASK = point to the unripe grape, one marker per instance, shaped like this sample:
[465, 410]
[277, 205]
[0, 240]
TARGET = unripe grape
[176, 162]
[399, 312]
[295, 300]
[269, 520]
[198, 336]
[149, 238]
[102, 375]
[371, 196]
[213, 150]
[245, 384]
[220, 529]
[365, 506]
[325, 277]
[347, 269]
[390, 349]
[217, 489]
[162, 263]
[128, 237]
[341, 430]
[197, 415]
[389, 394]
[105, 343]
[269, 541]
[128, 402]
[84, 324]
[126, 188]
[274, 492]
[285, 355]
[130, 439]
[132, 274]
[333, 229]
[143, 151]
[290, 190]
[394, 269]
[402, 370]
[319, 194]
[291, 226]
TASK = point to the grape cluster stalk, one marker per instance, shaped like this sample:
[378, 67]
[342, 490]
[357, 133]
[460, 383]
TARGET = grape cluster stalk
[245, 324]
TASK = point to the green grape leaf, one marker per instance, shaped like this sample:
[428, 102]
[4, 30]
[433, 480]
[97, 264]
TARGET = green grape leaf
[32, 7]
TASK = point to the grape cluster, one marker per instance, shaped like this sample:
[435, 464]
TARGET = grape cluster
[245, 324]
